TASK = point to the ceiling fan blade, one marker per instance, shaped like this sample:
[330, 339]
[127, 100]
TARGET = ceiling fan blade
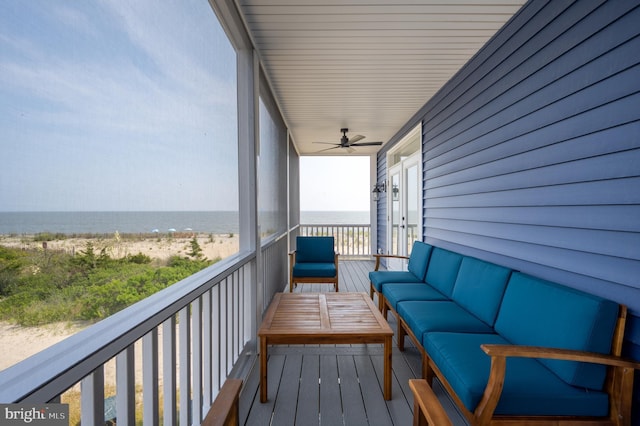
[366, 144]
[327, 149]
[356, 138]
[328, 143]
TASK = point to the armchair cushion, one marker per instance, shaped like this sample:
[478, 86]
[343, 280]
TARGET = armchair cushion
[529, 387]
[314, 270]
[314, 250]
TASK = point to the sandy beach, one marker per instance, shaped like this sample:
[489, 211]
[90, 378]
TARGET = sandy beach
[18, 343]
[160, 247]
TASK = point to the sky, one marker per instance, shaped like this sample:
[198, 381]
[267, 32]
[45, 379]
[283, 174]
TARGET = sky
[334, 183]
[131, 106]
[116, 105]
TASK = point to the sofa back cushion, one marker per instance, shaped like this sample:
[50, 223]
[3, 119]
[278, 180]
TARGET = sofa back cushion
[314, 249]
[443, 270]
[419, 259]
[537, 312]
[479, 288]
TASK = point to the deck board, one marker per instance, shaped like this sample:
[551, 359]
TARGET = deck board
[336, 384]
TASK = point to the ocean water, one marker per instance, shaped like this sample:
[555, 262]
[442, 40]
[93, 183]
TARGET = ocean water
[217, 222]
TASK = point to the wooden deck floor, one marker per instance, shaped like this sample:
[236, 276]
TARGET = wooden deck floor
[336, 384]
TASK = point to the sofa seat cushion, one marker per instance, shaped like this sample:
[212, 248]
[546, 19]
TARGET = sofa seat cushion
[399, 292]
[529, 388]
[537, 312]
[378, 278]
[314, 270]
[479, 288]
[428, 316]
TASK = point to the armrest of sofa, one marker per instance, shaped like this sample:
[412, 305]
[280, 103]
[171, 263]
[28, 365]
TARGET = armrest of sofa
[427, 408]
[224, 410]
[562, 354]
[382, 256]
[620, 390]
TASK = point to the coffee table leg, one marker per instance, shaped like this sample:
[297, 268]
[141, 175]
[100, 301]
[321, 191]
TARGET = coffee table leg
[387, 368]
[263, 369]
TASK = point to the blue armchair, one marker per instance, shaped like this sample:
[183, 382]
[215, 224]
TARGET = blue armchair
[313, 261]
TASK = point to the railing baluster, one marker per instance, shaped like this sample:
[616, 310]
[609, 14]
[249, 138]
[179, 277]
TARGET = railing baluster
[196, 354]
[126, 387]
[150, 377]
[184, 332]
[216, 338]
[207, 355]
[169, 371]
[92, 398]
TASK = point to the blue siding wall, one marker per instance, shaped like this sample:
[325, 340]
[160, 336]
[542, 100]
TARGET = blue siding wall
[531, 153]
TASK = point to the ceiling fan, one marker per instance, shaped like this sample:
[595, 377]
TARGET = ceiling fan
[346, 142]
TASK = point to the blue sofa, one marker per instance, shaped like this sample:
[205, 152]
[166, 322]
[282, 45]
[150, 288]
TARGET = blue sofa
[508, 346]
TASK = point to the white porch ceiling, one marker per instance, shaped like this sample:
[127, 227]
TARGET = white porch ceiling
[367, 65]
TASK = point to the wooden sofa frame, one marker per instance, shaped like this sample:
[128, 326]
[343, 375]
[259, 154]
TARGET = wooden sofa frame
[618, 384]
[225, 408]
[619, 381]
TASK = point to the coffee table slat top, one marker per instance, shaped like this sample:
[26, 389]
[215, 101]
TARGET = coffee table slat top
[322, 313]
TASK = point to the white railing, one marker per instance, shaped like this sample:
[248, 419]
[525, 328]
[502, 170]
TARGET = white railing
[172, 350]
[350, 240]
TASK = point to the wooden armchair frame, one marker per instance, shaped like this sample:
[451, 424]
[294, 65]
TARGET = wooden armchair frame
[295, 280]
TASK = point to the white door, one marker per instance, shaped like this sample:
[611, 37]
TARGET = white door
[405, 217]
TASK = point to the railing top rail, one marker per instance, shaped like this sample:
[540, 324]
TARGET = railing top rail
[342, 225]
[42, 376]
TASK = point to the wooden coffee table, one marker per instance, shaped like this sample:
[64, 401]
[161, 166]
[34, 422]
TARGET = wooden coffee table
[323, 318]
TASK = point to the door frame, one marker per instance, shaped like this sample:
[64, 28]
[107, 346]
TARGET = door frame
[404, 155]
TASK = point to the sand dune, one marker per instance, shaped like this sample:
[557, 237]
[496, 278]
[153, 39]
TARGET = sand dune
[18, 343]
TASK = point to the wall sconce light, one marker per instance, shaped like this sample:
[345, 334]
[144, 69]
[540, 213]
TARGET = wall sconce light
[377, 189]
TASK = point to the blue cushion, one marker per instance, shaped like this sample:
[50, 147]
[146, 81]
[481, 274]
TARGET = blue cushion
[308, 269]
[529, 387]
[428, 316]
[378, 278]
[479, 288]
[419, 259]
[398, 292]
[314, 249]
[443, 270]
[541, 313]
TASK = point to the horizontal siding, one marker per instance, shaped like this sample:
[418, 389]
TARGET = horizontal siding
[531, 153]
